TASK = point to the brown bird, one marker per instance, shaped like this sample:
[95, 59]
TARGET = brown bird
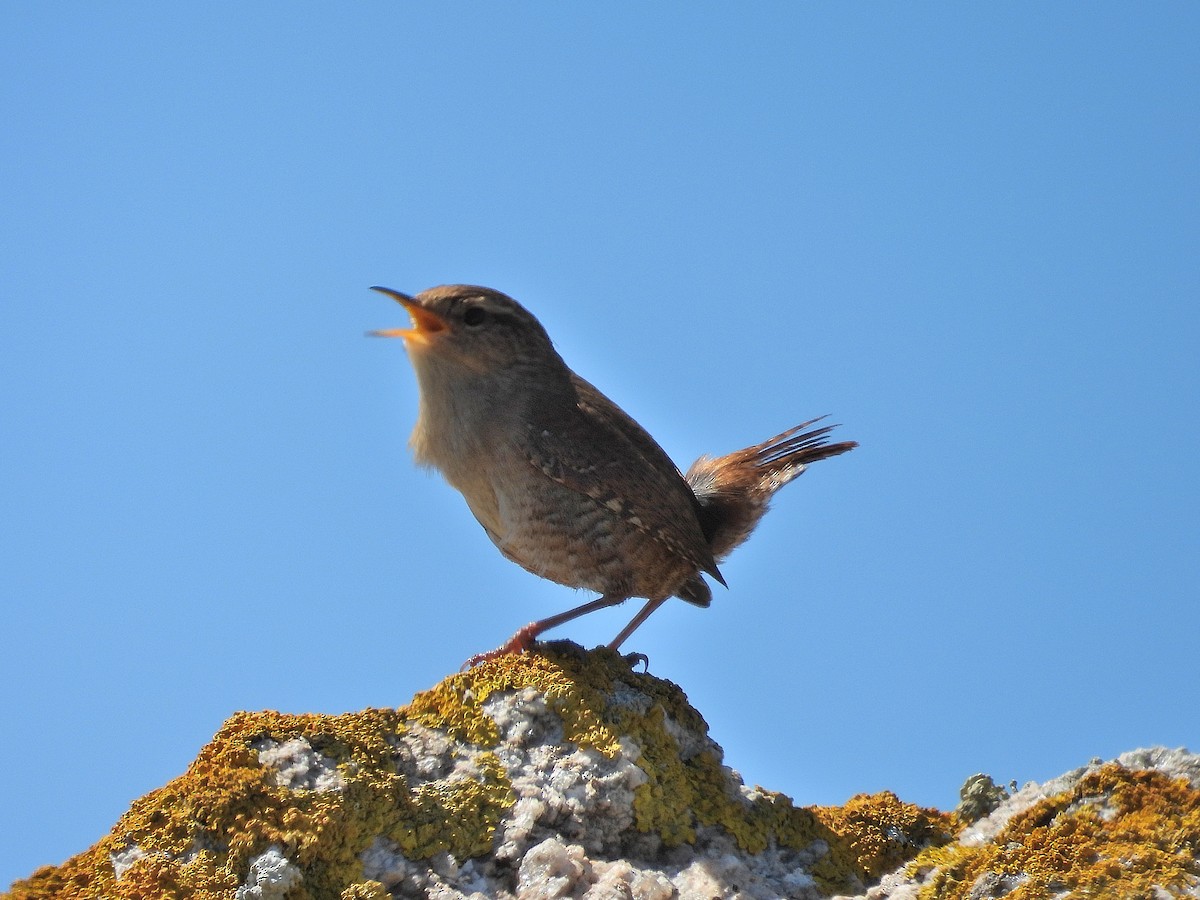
[563, 481]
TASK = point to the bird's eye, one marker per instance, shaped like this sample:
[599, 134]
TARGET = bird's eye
[475, 316]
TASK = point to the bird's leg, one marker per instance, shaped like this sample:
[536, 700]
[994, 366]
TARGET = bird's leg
[637, 620]
[525, 637]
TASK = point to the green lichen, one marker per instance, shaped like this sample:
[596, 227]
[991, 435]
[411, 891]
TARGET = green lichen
[1118, 834]
[664, 803]
[459, 818]
[979, 796]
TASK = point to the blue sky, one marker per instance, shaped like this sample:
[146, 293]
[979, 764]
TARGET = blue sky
[968, 232]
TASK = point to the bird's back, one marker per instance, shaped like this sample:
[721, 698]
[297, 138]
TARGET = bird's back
[631, 514]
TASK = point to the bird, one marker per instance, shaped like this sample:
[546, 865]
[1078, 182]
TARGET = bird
[564, 482]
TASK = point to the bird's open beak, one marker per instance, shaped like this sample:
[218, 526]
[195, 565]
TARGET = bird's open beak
[424, 322]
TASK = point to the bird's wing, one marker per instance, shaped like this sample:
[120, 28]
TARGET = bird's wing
[590, 452]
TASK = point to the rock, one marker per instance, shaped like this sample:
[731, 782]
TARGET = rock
[562, 773]
[1128, 829]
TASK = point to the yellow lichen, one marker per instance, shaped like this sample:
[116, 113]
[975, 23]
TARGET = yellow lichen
[200, 832]
[883, 832]
[1117, 835]
[456, 705]
[366, 890]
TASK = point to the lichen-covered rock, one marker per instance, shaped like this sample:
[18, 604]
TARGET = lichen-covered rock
[1128, 829]
[551, 774]
[565, 774]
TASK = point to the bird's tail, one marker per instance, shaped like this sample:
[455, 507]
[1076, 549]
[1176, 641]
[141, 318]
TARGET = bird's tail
[735, 490]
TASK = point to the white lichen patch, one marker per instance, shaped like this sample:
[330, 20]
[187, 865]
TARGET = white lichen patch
[297, 766]
[440, 876]
[271, 876]
[560, 788]
[122, 860]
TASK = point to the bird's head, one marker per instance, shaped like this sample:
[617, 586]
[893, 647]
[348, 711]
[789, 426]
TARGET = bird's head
[474, 331]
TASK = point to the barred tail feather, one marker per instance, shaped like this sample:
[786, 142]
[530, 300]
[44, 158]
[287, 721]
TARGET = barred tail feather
[734, 491]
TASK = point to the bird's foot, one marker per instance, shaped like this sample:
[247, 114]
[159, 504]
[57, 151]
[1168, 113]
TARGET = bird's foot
[520, 642]
[635, 658]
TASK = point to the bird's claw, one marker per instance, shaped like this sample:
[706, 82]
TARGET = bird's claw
[634, 658]
[520, 642]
